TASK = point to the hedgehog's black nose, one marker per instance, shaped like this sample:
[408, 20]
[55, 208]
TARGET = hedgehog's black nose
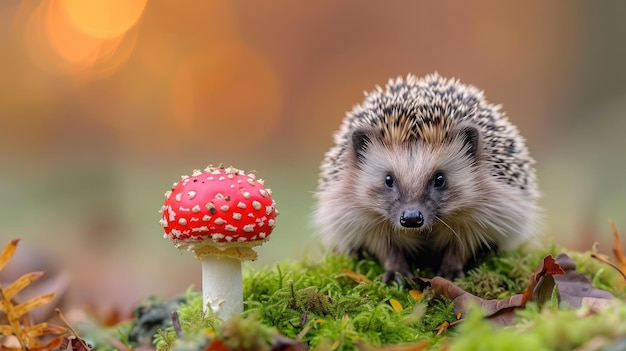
[412, 219]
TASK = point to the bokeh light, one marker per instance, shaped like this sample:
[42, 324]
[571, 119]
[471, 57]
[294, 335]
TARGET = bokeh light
[104, 19]
[76, 37]
[226, 97]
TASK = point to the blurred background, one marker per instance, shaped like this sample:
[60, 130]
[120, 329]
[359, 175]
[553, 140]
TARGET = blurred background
[103, 104]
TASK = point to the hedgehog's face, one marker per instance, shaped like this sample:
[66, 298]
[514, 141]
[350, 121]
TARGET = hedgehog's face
[416, 185]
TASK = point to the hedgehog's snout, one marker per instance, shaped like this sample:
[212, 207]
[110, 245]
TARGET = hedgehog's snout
[411, 219]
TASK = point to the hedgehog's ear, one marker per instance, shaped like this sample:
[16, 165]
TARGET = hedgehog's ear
[471, 138]
[360, 141]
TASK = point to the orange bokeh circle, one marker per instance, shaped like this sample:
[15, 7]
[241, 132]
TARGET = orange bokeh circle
[103, 18]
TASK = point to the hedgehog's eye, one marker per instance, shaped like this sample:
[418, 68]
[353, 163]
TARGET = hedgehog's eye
[439, 181]
[389, 181]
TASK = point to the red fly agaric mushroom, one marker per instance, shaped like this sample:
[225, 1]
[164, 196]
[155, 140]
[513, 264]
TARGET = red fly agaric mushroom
[219, 214]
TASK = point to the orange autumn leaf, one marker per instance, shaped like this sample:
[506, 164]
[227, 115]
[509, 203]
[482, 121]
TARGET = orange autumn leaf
[358, 278]
[442, 327]
[19, 324]
[8, 252]
[618, 250]
[416, 294]
[20, 284]
[396, 305]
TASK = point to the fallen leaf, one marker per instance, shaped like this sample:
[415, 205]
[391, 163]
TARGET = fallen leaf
[618, 250]
[541, 284]
[416, 294]
[356, 277]
[20, 323]
[217, 345]
[442, 327]
[574, 286]
[561, 273]
[396, 305]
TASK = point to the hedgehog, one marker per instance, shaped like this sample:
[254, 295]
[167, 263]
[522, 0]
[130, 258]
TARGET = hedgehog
[426, 173]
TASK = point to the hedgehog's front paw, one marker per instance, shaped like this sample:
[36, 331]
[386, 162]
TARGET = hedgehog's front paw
[396, 268]
[451, 265]
[451, 272]
[390, 276]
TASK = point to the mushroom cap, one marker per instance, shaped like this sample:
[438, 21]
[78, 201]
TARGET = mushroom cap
[219, 211]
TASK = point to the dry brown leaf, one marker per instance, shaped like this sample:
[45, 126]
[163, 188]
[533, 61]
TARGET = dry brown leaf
[618, 250]
[442, 327]
[561, 272]
[19, 323]
[7, 253]
[356, 277]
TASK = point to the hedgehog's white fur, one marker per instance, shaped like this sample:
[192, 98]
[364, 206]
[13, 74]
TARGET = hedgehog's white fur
[490, 201]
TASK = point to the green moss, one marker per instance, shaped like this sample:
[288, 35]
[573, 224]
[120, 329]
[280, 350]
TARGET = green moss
[314, 301]
[317, 303]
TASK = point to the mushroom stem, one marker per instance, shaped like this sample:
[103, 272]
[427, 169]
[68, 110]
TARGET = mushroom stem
[222, 291]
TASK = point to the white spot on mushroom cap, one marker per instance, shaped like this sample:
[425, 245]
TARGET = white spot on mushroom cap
[178, 196]
[241, 239]
[195, 209]
[170, 213]
[184, 209]
[237, 216]
[168, 194]
[256, 205]
[219, 221]
[200, 229]
[191, 195]
[206, 218]
[196, 172]
[182, 221]
[246, 195]
[262, 235]
[230, 228]
[228, 238]
[271, 223]
[268, 209]
[241, 205]
[248, 228]
[221, 178]
[263, 192]
[163, 222]
[251, 181]
[224, 208]
[217, 236]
